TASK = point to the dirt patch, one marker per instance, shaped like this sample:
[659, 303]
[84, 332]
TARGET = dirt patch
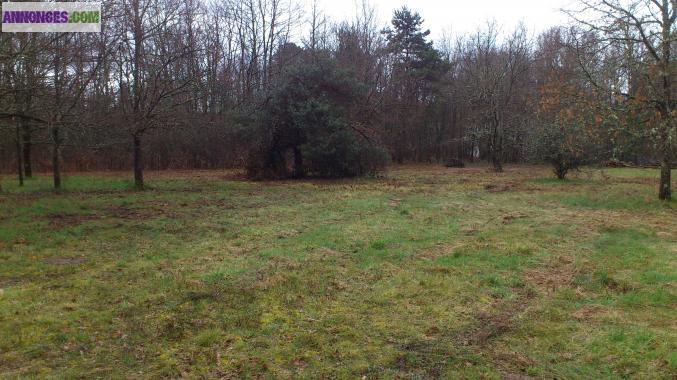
[288, 234]
[491, 325]
[559, 274]
[500, 188]
[507, 219]
[122, 212]
[637, 181]
[326, 252]
[517, 361]
[517, 376]
[471, 230]
[439, 250]
[221, 174]
[588, 313]
[221, 204]
[664, 235]
[394, 202]
[59, 222]
[488, 327]
[9, 282]
[139, 214]
[65, 260]
[423, 358]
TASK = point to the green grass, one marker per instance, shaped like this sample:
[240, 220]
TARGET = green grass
[425, 273]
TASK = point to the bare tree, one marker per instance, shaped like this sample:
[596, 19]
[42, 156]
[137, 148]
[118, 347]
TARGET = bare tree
[151, 46]
[175, 83]
[23, 71]
[494, 72]
[74, 63]
[318, 23]
[649, 26]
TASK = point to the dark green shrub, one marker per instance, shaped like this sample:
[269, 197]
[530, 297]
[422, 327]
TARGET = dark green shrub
[309, 126]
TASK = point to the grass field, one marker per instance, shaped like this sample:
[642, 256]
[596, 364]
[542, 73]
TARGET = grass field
[425, 273]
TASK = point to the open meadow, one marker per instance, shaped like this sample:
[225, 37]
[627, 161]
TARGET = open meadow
[424, 272]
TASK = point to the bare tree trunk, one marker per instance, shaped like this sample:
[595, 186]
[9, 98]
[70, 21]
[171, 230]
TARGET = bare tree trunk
[19, 156]
[496, 162]
[138, 24]
[0, 176]
[54, 126]
[668, 21]
[665, 191]
[138, 163]
[497, 149]
[27, 145]
[298, 163]
[498, 166]
[56, 163]
[658, 45]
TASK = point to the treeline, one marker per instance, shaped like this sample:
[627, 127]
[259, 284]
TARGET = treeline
[285, 92]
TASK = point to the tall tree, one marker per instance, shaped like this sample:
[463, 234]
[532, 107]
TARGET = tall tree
[495, 76]
[152, 46]
[415, 67]
[647, 25]
[22, 74]
[567, 113]
[75, 62]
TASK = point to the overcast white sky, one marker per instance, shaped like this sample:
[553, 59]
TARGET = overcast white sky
[462, 16]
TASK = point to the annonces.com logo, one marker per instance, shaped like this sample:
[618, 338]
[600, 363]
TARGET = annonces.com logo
[83, 17]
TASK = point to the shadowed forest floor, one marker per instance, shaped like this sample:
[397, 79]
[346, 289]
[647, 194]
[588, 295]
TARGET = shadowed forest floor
[425, 273]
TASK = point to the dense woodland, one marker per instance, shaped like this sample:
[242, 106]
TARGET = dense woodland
[285, 92]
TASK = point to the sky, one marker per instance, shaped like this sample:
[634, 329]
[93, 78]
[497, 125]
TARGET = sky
[462, 16]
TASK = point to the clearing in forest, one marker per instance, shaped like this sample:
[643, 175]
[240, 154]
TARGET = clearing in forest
[426, 272]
